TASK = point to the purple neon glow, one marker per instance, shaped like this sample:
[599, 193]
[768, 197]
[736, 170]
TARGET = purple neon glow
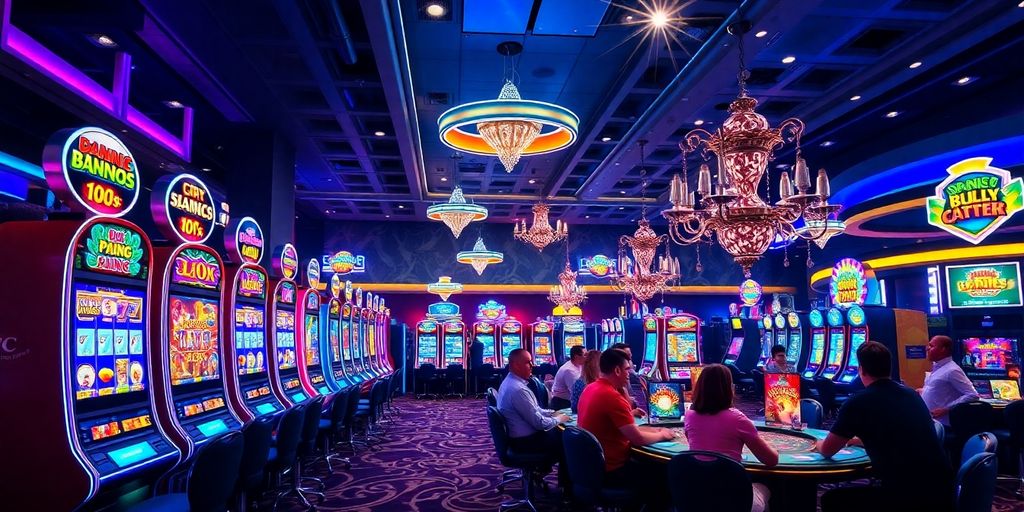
[22, 46]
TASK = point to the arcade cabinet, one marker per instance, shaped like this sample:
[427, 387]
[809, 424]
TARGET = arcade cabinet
[795, 349]
[245, 322]
[781, 332]
[370, 321]
[311, 371]
[426, 342]
[767, 340]
[358, 337]
[819, 345]
[744, 343]
[454, 344]
[511, 338]
[837, 346]
[346, 337]
[735, 340]
[541, 342]
[649, 363]
[682, 346]
[483, 331]
[570, 334]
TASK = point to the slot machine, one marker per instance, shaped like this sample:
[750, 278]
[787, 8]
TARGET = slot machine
[511, 338]
[858, 334]
[454, 343]
[426, 342]
[346, 335]
[819, 345]
[732, 354]
[283, 307]
[649, 363]
[794, 350]
[837, 346]
[188, 335]
[334, 364]
[781, 332]
[541, 345]
[682, 345]
[767, 340]
[573, 333]
[78, 401]
[311, 370]
[618, 335]
[483, 331]
[603, 332]
[389, 357]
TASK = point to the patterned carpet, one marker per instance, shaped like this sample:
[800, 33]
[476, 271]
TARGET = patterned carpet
[438, 456]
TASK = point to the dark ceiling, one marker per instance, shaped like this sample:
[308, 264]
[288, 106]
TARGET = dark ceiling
[357, 87]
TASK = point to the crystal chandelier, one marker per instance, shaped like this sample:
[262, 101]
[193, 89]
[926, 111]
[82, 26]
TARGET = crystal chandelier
[444, 287]
[456, 213]
[567, 294]
[744, 223]
[480, 257]
[540, 234]
[636, 276]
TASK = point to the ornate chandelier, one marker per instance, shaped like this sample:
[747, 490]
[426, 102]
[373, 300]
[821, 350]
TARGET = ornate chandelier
[636, 276]
[480, 257]
[744, 223]
[567, 294]
[508, 127]
[540, 234]
[456, 213]
[444, 287]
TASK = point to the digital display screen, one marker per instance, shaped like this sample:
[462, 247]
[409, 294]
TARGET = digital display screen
[312, 340]
[836, 343]
[284, 323]
[665, 401]
[572, 341]
[682, 347]
[734, 346]
[346, 340]
[857, 338]
[509, 342]
[488, 341]
[357, 338]
[988, 353]
[766, 344]
[254, 393]
[332, 338]
[250, 328]
[817, 347]
[453, 348]
[131, 454]
[1005, 389]
[427, 346]
[542, 345]
[194, 340]
[265, 408]
[736, 323]
[650, 346]
[796, 341]
[110, 341]
[371, 333]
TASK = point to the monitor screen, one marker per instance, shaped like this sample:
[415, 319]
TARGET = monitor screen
[736, 323]
[735, 346]
[285, 338]
[427, 346]
[665, 402]
[193, 339]
[983, 387]
[110, 344]
[837, 341]
[249, 343]
[796, 341]
[1005, 389]
[817, 347]
[650, 346]
[311, 339]
[542, 345]
[682, 347]
[346, 340]
[857, 338]
[332, 337]
[509, 342]
[988, 353]
[357, 338]
[572, 341]
[453, 346]
[488, 342]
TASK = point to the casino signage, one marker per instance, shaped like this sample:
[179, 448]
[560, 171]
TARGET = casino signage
[196, 267]
[286, 262]
[112, 249]
[344, 262]
[849, 283]
[92, 168]
[982, 286]
[313, 274]
[183, 208]
[975, 199]
[750, 292]
[598, 265]
[244, 240]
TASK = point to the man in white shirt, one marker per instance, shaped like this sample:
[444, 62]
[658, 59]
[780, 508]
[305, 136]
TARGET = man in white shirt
[947, 385]
[565, 377]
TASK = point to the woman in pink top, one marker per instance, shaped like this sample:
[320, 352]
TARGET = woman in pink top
[713, 424]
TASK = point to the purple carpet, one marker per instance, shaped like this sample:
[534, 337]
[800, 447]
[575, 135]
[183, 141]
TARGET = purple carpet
[438, 456]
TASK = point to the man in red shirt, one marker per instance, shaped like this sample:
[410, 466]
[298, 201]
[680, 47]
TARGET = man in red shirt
[606, 414]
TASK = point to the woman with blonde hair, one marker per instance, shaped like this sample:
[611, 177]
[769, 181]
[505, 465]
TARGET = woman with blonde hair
[591, 372]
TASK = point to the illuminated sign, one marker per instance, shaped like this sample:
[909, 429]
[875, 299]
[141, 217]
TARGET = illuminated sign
[313, 274]
[196, 267]
[244, 240]
[682, 322]
[92, 168]
[286, 261]
[343, 262]
[767, 323]
[285, 293]
[982, 286]
[252, 283]
[750, 292]
[183, 208]
[849, 283]
[815, 318]
[336, 286]
[855, 316]
[348, 291]
[542, 327]
[835, 317]
[113, 249]
[599, 266]
[793, 320]
[442, 309]
[975, 199]
[490, 310]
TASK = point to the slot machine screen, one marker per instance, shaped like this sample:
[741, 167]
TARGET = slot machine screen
[1005, 389]
[837, 340]
[427, 346]
[312, 340]
[110, 348]
[194, 341]
[453, 348]
[332, 333]
[665, 402]
[542, 345]
[817, 347]
[488, 342]
[793, 350]
[650, 345]
[737, 324]
[285, 323]
[249, 343]
[857, 338]
[988, 353]
[735, 346]
[682, 347]
[346, 340]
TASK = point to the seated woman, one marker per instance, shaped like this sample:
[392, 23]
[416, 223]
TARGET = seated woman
[713, 424]
[591, 372]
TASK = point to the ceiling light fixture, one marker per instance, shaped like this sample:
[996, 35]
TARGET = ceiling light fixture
[606, 139]
[378, 133]
[174, 104]
[789, 59]
[540, 234]
[401, 207]
[444, 287]
[915, 65]
[892, 114]
[532, 181]
[827, 143]
[965, 80]
[658, 19]
[444, 178]
[103, 40]
[761, 33]
[855, 97]
[456, 213]
[479, 257]
[436, 10]
[698, 122]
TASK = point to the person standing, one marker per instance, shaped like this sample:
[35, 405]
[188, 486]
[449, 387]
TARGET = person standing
[947, 385]
[476, 360]
[565, 377]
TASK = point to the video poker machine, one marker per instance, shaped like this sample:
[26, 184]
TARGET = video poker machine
[426, 342]
[649, 363]
[483, 331]
[454, 344]
[858, 334]
[542, 342]
[767, 340]
[819, 345]
[283, 309]
[77, 365]
[311, 369]
[837, 346]
[511, 338]
[795, 348]
[358, 335]
[682, 342]
[571, 333]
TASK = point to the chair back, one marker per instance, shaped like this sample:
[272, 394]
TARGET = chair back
[539, 391]
[976, 483]
[811, 412]
[311, 426]
[289, 433]
[940, 432]
[256, 434]
[492, 397]
[584, 459]
[454, 372]
[352, 405]
[709, 481]
[426, 371]
[339, 407]
[970, 418]
[758, 375]
[212, 478]
[1015, 423]
[984, 442]
[499, 434]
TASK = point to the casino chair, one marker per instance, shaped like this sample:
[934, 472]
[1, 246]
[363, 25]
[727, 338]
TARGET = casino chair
[531, 465]
[544, 370]
[976, 483]
[1013, 437]
[283, 455]
[368, 414]
[984, 442]
[758, 375]
[455, 380]
[349, 422]
[486, 376]
[393, 389]
[492, 397]
[702, 480]
[211, 480]
[426, 378]
[257, 436]
[827, 395]
[940, 432]
[811, 412]
[330, 428]
[966, 420]
[742, 380]
[539, 390]
[584, 459]
[306, 450]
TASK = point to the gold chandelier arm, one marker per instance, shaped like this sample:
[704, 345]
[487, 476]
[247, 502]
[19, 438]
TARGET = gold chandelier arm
[794, 127]
[679, 238]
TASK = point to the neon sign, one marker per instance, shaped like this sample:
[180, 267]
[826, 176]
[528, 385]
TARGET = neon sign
[196, 267]
[490, 310]
[252, 283]
[979, 286]
[183, 208]
[599, 266]
[244, 238]
[336, 286]
[975, 199]
[113, 249]
[313, 274]
[92, 168]
[750, 292]
[849, 283]
[286, 262]
[344, 262]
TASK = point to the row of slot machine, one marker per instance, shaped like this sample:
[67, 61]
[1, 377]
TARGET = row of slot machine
[667, 343]
[446, 342]
[126, 356]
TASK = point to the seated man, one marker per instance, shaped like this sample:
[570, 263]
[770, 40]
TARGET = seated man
[606, 414]
[634, 388]
[778, 363]
[895, 427]
[530, 428]
[947, 385]
[565, 377]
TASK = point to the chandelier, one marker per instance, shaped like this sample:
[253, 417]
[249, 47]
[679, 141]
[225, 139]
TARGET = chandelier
[744, 223]
[479, 257]
[508, 127]
[456, 213]
[636, 276]
[540, 234]
[444, 287]
[567, 294]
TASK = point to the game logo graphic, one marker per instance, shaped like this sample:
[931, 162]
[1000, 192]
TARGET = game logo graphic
[975, 199]
[183, 208]
[286, 262]
[664, 401]
[542, 327]
[849, 284]
[193, 347]
[490, 310]
[252, 283]
[109, 344]
[312, 340]
[750, 292]
[196, 267]
[249, 339]
[92, 168]
[599, 266]
[336, 286]
[981, 286]
[682, 322]
[112, 249]
[285, 293]
[1003, 389]
[313, 274]
[243, 240]
[782, 399]
[988, 353]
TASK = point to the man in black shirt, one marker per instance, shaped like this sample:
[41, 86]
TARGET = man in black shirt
[893, 425]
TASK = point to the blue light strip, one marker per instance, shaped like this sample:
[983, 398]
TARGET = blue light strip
[18, 166]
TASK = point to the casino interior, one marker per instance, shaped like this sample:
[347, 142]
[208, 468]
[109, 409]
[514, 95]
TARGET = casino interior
[235, 278]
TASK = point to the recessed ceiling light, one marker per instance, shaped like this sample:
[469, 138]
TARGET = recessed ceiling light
[855, 97]
[532, 181]
[401, 206]
[698, 122]
[622, 207]
[964, 80]
[892, 114]
[436, 10]
[782, 166]
[622, 191]
[761, 33]
[444, 178]
[103, 40]
[207, 169]
[586, 216]
[658, 19]
[387, 216]
[605, 139]
[174, 104]
[827, 143]
[915, 65]
[789, 59]
[378, 133]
